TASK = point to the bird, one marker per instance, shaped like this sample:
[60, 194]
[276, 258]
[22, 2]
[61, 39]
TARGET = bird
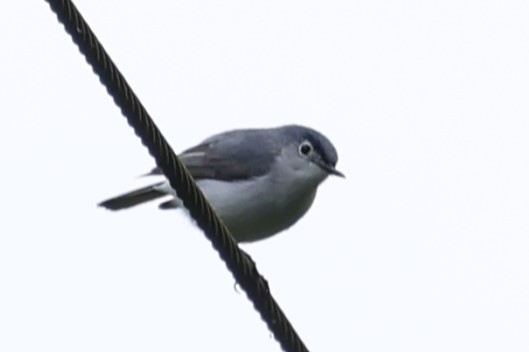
[260, 181]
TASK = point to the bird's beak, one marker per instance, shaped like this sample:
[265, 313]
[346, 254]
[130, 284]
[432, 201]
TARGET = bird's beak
[331, 170]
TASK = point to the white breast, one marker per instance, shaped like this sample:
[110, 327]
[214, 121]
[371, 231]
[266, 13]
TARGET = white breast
[264, 206]
[261, 207]
[252, 210]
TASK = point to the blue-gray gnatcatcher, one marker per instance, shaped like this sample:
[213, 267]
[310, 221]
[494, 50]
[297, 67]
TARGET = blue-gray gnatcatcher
[260, 181]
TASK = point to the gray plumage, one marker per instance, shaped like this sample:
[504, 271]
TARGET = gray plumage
[227, 163]
[220, 156]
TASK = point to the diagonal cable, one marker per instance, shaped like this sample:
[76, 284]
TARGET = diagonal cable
[239, 263]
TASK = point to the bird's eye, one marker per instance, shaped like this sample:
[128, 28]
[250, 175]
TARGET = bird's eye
[305, 148]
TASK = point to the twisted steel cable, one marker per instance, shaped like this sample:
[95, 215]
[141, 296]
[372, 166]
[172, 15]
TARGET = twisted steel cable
[239, 263]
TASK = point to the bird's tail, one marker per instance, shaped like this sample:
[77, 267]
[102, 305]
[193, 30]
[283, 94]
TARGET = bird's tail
[134, 198]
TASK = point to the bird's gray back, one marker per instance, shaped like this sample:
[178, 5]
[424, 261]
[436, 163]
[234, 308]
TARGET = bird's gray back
[233, 155]
[248, 153]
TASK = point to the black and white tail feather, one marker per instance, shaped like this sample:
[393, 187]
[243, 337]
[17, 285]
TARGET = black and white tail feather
[136, 197]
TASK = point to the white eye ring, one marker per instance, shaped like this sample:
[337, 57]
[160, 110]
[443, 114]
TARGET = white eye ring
[305, 148]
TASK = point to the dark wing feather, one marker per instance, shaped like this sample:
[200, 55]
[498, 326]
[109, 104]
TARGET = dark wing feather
[234, 155]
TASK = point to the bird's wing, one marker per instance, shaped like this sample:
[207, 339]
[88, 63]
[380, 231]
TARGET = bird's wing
[238, 156]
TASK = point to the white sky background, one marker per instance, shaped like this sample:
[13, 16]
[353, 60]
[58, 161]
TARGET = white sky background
[424, 247]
